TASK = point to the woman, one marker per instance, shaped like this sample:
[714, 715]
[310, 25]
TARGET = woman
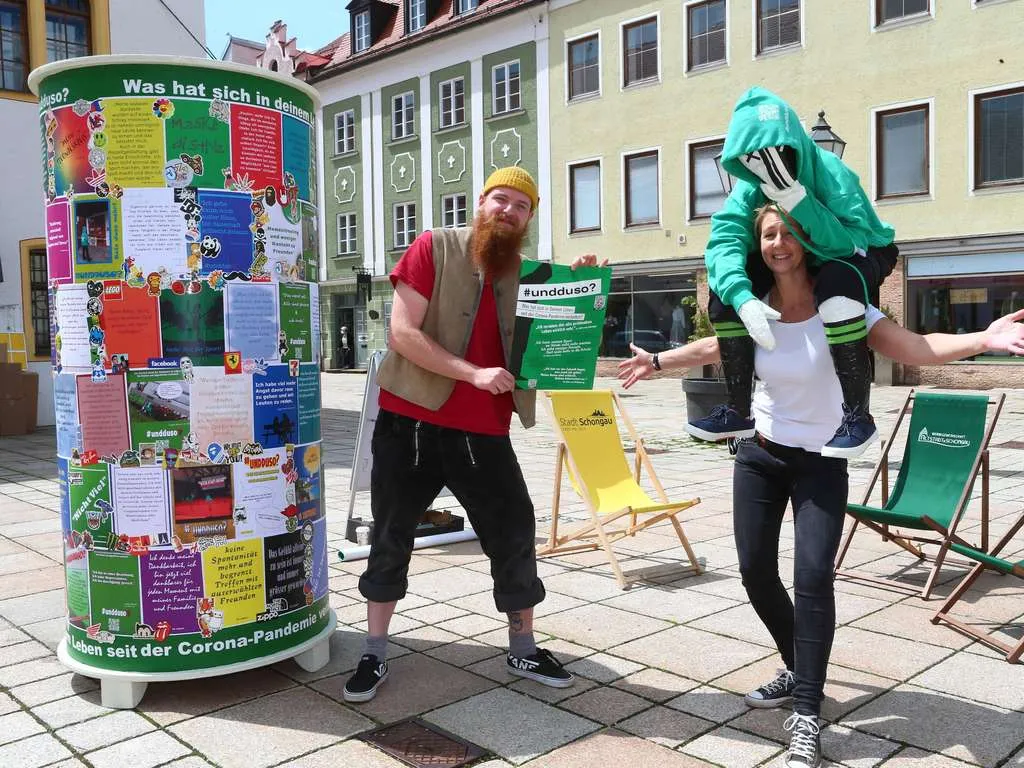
[796, 409]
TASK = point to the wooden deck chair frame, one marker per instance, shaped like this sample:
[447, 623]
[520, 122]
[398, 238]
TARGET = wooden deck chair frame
[943, 538]
[1013, 652]
[598, 525]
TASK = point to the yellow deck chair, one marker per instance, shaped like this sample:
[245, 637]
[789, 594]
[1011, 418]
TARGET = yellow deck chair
[590, 449]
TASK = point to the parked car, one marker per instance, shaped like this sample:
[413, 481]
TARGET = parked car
[651, 340]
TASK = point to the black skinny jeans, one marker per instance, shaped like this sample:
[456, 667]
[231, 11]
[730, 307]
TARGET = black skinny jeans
[766, 478]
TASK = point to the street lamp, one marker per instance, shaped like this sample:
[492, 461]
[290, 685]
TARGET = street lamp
[823, 135]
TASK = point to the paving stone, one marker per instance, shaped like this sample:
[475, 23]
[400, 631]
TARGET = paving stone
[463, 653]
[49, 632]
[613, 747]
[939, 723]
[73, 709]
[18, 725]
[991, 681]
[8, 705]
[472, 624]
[605, 705]
[152, 749]
[190, 762]
[443, 585]
[34, 752]
[583, 586]
[603, 667]
[284, 725]
[675, 604]
[917, 758]
[676, 650]
[416, 684]
[710, 703]
[52, 688]
[548, 694]
[727, 746]
[485, 720]
[20, 652]
[855, 749]
[883, 655]
[740, 622]
[598, 626]
[353, 753]
[109, 729]
[655, 685]
[167, 703]
[913, 623]
[424, 637]
[434, 614]
[665, 726]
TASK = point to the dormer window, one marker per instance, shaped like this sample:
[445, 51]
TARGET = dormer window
[465, 6]
[417, 18]
[362, 32]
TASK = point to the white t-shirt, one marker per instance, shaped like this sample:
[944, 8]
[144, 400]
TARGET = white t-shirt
[797, 398]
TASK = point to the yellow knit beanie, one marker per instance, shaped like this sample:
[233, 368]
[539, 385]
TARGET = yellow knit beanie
[515, 178]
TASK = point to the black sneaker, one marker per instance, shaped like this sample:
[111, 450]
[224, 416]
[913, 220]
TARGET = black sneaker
[541, 666]
[369, 675]
[805, 743]
[774, 694]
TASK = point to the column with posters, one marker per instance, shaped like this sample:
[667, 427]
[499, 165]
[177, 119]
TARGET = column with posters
[177, 192]
[559, 318]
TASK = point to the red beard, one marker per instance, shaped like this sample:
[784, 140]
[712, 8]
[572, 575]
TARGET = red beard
[495, 246]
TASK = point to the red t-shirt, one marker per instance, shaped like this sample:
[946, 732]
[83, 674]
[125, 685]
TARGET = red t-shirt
[468, 409]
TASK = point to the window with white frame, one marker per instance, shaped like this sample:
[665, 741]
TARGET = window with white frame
[705, 23]
[584, 67]
[999, 138]
[505, 81]
[890, 10]
[640, 51]
[465, 6]
[706, 192]
[403, 108]
[585, 196]
[902, 151]
[453, 210]
[417, 15]
[405, 224]
[345, 132]
[778, 24]
[453, 102]
[346, 234]
[362, 33]
[641, 193]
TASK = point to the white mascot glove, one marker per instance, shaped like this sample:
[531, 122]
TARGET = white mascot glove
[776, 168]
[755, 316]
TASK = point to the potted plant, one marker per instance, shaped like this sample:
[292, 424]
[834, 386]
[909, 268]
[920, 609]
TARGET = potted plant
[708, 390]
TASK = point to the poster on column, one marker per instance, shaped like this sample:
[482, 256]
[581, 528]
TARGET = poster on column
[114, 597]
[296, 336]
[275, 407]
[158, 409]
[250, 309]
[142, 504]
[103, 409]
[180, 198]
[172, 584]
[220, 407]
[559, 322]
[261, 503]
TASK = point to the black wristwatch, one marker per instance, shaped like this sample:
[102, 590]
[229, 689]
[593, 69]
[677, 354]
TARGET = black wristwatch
[655, 363]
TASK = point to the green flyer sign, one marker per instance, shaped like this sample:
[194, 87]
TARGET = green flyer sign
[559, 318]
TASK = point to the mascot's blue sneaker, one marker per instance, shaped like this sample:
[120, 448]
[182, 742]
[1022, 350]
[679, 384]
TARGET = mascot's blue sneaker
[855, 434]
[722, 423]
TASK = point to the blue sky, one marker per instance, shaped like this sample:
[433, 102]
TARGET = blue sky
[313, 22]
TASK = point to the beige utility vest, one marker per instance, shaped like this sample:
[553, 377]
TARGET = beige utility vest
[458, 286]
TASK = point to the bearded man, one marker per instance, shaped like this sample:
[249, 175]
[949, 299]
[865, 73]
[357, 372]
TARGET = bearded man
[446, 402]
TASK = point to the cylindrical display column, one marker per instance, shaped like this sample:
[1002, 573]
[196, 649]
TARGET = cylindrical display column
[183, 252]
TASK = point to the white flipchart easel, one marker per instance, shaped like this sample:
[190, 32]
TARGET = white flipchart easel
[362, 465]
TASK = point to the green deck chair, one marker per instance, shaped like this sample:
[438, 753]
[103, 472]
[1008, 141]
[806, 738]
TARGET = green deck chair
[946, 446]
[996, 563]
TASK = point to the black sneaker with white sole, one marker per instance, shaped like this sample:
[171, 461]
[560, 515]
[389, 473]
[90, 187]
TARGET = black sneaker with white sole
[805, 743]
[541, 666]
[369, 675]
[773, 694]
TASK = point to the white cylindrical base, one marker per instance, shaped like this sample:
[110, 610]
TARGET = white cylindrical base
[361, 553]
[124, 690]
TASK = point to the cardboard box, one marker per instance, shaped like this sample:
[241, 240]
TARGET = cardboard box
[12, 417]
[30, 390]
[10, 381]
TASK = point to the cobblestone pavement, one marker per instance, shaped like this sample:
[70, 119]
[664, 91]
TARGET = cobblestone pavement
[661, 667]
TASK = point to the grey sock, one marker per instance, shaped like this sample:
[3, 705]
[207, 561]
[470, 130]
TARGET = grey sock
[521, 644]
[377, 646]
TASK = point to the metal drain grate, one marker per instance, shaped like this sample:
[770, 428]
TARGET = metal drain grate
[419, 744]
[1016, 445]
